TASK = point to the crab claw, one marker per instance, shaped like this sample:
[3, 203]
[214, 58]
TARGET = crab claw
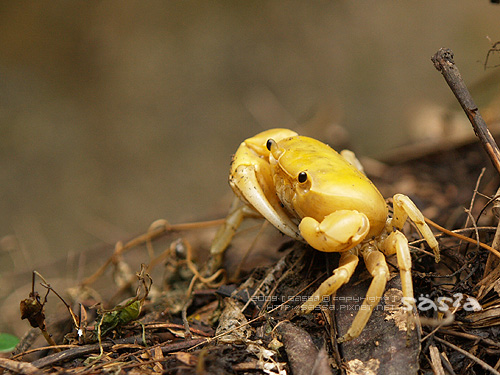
[251, 178]
[339, 231]
[248, 186]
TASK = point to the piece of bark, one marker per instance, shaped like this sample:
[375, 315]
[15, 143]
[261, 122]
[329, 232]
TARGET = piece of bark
[385, 346]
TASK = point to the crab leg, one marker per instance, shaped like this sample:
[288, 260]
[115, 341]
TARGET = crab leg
[396, 243]
[347, 265]
[352, 159]
[377, 266]
[404, 208]
[225, 234]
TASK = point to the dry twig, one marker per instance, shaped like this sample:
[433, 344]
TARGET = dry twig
[443, 61]
[480, 362]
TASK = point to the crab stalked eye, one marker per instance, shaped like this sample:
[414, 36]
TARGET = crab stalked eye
[269, 144]
[302, 177]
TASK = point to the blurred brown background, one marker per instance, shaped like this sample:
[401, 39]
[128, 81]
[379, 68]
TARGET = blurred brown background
[116, 113]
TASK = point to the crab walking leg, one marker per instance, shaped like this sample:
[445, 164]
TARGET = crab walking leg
[351, 158]
[404, 208]
[396, 243]
[347, 265]
[225, 234]
[377, 266]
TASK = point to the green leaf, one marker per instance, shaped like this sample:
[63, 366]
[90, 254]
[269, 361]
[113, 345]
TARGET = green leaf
[7, 342]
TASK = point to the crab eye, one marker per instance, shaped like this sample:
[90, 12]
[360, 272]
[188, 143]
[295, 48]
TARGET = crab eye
[269, 143]
[302, 177]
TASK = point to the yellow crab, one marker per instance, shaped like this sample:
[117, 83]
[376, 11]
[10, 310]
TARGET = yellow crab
[312, 193]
